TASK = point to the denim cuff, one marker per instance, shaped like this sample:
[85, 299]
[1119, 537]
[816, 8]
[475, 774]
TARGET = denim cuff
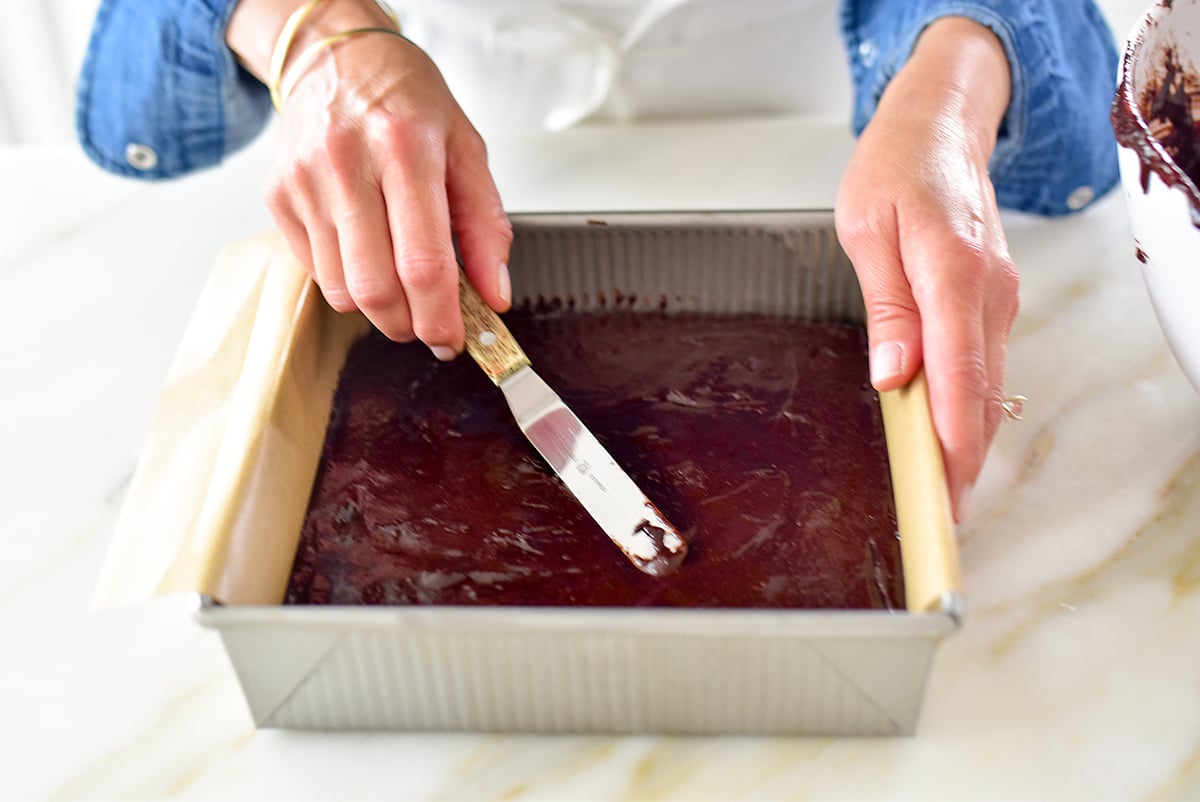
[1055, 152]
[178, 102]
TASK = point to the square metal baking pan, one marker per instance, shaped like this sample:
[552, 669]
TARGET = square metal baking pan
[851, 672]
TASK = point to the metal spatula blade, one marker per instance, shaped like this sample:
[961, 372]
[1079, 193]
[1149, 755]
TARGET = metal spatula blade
[609, 495]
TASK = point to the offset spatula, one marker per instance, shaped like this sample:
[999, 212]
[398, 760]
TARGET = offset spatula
[608, 494]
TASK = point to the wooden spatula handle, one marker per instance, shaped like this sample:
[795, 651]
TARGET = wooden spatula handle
[489, 341]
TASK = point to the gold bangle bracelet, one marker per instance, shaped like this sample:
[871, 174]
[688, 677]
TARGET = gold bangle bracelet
[311, 53]
[283, 45]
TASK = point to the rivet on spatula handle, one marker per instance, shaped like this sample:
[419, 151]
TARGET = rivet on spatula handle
[489, 341]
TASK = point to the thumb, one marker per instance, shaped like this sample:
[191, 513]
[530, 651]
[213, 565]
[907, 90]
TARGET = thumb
[893, 331]
[893, 318]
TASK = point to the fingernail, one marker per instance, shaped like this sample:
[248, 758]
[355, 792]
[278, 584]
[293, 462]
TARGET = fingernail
[504, 283]
[887, 362]
[964, 502]
[443, 352]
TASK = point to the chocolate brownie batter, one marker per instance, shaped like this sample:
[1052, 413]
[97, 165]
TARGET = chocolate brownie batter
[759, 438]
[1164, 113]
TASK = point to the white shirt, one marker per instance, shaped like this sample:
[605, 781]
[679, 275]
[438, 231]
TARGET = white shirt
[552, 63]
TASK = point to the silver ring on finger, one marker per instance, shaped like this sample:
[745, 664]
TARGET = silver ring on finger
[1014, 407]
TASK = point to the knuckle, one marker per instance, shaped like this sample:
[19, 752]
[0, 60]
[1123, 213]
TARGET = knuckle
[892, 312]
[291, 188]
[372, 292]
[969, 251]
[406, 136]
[486, 221]
[339, 300]
[970, 371]
[478, 147]
[970, 375]
[859, 228]
[395, 329]
[436, 331]
[962, 382]
[1010, 288]
[495, 224]
[284, 184]
[340, 154]
[423, 271]
[469, 146]
[277, 197]
[502, 225]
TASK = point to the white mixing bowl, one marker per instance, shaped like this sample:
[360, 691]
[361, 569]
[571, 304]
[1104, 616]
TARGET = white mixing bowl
[1155, 110]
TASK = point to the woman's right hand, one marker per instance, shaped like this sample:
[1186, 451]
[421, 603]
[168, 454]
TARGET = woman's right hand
[377, 170]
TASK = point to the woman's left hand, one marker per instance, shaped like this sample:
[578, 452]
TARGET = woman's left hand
[917, 214]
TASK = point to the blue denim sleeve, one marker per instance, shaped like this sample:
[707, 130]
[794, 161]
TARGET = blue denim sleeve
[160, 94]
[1056, 151]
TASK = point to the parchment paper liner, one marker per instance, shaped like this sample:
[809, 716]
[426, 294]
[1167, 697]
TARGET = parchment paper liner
[219, 497]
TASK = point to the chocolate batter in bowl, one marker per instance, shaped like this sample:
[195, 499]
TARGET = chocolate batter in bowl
[1156, 118]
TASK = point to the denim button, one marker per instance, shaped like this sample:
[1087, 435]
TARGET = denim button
[867, 52]
[141, 157]
[1081, 197]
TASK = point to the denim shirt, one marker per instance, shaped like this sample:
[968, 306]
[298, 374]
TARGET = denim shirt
[161, 95]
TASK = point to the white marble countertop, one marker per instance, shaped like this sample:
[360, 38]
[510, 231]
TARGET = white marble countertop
[1074, 677]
